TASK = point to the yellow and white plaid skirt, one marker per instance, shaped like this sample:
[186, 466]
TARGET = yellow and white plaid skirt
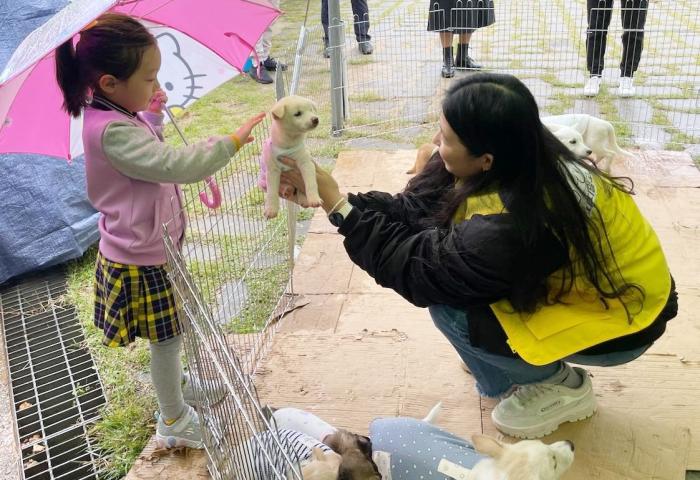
[133, 301]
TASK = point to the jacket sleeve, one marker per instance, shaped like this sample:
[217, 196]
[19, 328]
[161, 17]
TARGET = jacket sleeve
[138, 154]
[469, 264]
[402, 207]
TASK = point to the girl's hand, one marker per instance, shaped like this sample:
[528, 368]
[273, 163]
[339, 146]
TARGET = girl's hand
[243, 133]
[328, 188]
[158, 99]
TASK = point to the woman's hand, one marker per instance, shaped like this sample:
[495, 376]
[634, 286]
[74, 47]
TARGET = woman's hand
[159, 98]
[328, 188]
[243, 133]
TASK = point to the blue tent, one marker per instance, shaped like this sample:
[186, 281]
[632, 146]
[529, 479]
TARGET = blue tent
[45, 217]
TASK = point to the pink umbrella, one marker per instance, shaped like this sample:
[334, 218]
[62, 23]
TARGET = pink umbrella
[31, 117]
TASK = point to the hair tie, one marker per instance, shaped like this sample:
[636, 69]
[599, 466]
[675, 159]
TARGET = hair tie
[89, 26]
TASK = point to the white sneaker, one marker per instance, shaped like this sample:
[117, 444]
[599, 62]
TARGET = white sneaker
[213, 393]
[626, 88]
[535, 410]
[185, 432]
[592, 86]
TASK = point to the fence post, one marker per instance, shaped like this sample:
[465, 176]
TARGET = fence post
[336, 39]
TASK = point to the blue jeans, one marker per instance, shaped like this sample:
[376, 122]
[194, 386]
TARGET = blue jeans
[495, 374]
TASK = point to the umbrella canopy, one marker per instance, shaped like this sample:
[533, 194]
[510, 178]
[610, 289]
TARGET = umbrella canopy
[218, 34]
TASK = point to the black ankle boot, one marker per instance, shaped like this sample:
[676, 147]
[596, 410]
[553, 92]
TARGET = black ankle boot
[463, 59]
[448, 69]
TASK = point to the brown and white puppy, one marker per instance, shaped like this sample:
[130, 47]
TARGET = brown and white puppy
[356, 456]
[292, 118]
[424, 153]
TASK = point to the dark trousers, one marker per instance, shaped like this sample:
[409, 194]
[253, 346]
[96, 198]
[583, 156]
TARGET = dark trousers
[634, 16]
[360, 13]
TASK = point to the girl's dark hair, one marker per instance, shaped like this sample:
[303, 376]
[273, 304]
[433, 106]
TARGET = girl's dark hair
[497, 114]
[114, 45]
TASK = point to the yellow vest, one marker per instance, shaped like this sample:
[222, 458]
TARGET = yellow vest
[581, 320]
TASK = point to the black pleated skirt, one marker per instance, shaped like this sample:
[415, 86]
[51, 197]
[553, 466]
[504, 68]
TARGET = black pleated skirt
[460, 16]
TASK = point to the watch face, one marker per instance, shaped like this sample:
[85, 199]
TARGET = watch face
[336, 218]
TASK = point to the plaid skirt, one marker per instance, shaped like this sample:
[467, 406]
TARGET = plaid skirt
[133, 301]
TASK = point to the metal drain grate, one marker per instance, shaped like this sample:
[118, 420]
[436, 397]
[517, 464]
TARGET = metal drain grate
[56, 390]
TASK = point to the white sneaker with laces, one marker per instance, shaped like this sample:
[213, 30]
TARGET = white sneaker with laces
[536, 410]
[626, 88]
[213, 393]
[185, 432]
[592, 87]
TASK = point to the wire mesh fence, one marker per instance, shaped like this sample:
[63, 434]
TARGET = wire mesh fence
[240, 441]
[553, 47]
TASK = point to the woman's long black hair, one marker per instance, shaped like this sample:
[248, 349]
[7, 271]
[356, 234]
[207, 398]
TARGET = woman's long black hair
[497, 114]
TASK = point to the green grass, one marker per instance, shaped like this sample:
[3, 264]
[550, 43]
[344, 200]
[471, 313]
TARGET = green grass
[366, 97]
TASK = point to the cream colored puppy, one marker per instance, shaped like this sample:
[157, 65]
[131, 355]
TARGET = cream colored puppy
[323, 466]
[292, 118]
[524, 460]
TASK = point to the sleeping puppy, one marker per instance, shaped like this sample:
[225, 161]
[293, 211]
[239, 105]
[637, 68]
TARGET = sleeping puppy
[524, 460]
[292, 118]
[572, 140]
[356, 455]
[598, 134]
[323, 466]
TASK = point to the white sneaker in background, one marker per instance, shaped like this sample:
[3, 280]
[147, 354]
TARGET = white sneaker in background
[535, 410]
[592, 86]
[185, 432]
[626, 88]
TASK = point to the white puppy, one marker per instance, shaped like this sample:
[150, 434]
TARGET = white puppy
[572, 140]
[292, 118]
[598, 134]
[524, 460]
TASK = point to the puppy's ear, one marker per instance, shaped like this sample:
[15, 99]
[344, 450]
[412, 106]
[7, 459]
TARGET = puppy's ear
[333, 441]
[488, 446]
[278, 110]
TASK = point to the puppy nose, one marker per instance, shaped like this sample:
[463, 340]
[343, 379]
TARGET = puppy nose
[314, 120]
[570, 443]
[589, 152]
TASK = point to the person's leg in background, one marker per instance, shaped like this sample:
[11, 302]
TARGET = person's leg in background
[324, 22]
[448, 66]
[264, 64]
[599, 13]
[463, 60]
[360, 13]
[634, 17]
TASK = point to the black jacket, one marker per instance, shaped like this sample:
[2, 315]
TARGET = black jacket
[468, 266]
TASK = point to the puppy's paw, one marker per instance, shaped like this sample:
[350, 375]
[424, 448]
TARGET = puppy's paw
[271, 212]
[314, 201]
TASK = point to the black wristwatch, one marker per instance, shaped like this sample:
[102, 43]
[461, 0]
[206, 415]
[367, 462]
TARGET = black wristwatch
[336, 218]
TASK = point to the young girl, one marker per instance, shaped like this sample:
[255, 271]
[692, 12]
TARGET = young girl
[528, 258]
[132, 179]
